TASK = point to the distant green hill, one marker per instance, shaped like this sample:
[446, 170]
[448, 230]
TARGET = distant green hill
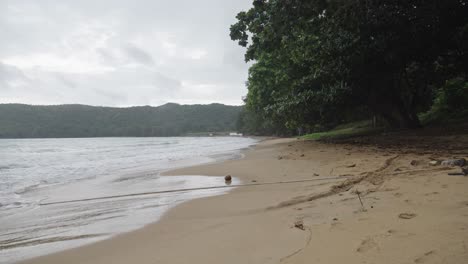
[32, 121]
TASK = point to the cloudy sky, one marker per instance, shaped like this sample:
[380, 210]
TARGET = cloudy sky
[120, 53]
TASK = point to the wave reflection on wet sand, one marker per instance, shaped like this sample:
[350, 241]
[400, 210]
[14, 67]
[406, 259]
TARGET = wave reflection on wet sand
[33, 223]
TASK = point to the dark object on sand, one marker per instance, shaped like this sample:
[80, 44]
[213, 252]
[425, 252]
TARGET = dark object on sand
[299, 224]
[359, 196]
[227, 178]
[454, 162]
[464, 172]
[406, 215]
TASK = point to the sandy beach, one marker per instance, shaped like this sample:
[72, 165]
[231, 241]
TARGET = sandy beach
[365, 202]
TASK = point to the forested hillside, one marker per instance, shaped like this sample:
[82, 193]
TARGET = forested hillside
[28, 121]
[319, 63]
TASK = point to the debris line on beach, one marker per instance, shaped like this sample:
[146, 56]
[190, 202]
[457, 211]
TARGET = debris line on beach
[189, 189]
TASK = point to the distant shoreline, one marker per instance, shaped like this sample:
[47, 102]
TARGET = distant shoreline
[76, 121]
[136, 137]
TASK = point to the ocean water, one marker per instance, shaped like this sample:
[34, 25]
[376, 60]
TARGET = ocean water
[48, 187]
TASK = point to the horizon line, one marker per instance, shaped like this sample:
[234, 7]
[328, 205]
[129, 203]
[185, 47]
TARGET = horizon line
[129, 106]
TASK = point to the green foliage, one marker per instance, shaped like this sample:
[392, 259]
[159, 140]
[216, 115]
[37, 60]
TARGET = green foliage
[450, 102]
[344, 131]
[27, 121]
[452, 97]
[253, 123]
[316, 61]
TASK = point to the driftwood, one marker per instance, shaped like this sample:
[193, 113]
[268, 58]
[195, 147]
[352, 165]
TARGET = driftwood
[464, 172]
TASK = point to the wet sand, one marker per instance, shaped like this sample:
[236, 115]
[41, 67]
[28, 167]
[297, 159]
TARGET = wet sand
[409, 213]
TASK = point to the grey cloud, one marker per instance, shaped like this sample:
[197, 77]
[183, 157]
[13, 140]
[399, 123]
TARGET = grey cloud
[9, 75]
[118, 52]
[123, 87]
[139, 55]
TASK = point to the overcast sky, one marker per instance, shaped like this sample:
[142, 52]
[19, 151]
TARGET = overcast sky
[120, 53]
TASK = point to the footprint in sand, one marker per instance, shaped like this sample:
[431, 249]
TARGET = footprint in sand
[366, 245]
[336, 224]
[425, 257]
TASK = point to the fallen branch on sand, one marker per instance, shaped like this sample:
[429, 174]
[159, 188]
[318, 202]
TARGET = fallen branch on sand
[359, 196]
[464, 172]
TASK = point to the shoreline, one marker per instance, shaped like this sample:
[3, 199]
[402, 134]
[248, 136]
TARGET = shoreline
[50, 218]
[303, 221]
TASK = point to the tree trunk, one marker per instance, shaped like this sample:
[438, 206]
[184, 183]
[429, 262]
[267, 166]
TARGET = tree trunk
[386, 96]
[399, 117]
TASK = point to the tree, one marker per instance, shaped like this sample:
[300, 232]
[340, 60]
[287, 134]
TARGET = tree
[34, 121]
[317, 59]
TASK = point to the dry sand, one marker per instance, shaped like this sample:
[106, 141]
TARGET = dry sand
[318, 221]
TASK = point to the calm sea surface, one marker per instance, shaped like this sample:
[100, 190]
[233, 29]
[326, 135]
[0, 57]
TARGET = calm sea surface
[37, 173]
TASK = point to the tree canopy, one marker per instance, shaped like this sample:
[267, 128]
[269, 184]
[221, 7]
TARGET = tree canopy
[323, 61]
[30, 121]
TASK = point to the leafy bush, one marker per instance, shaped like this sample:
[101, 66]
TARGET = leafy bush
[450, 102]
